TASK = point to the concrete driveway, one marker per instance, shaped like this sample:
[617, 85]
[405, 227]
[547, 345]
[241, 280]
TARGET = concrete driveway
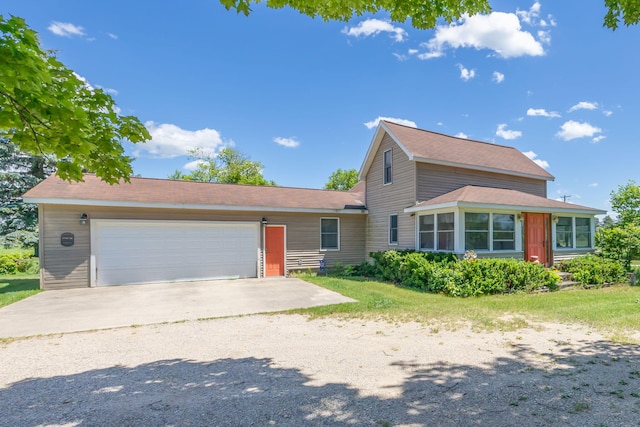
[76, 310]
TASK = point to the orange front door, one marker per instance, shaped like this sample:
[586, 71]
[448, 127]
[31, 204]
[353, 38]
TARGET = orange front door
[537, 237]
[274, 250]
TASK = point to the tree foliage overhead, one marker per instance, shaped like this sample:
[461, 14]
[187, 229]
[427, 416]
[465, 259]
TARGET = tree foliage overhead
[342, 180]
[422, 13]
[228, 166]
[49, 111]
[19, 172]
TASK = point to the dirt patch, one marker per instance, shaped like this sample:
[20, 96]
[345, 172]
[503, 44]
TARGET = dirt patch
[288, 370]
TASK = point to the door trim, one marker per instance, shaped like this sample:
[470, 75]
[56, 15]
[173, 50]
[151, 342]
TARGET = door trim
[548, 250]
[264, 249]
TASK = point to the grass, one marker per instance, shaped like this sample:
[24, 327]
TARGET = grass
[614, 310]
[13, 288]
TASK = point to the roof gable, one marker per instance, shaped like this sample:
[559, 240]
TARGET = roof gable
[164, 193]
[432, 147]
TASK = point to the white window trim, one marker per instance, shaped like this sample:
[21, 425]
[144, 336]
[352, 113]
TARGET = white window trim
[389, 230]
[574, 234]
[330, 249]
[435, 231]
[463, 225]
[384, 169]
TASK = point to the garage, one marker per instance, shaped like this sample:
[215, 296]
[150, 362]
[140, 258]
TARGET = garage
[138, 251]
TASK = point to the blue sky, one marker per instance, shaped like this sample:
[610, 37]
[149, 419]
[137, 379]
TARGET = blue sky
[302, 95]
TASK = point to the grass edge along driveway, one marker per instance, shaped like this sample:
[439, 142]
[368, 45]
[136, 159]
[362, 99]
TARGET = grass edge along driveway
[16, 287]
[613, 311]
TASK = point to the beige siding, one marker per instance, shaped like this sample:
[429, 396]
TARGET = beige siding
[384, 200]
[68, 267]
[436, 180]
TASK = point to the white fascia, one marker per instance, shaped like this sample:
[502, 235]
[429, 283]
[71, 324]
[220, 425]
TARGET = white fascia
[127, 204]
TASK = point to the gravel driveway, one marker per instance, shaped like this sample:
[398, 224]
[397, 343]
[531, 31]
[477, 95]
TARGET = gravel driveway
[290, 371]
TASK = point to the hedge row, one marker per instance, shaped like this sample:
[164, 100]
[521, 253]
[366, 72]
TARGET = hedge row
[444, 273]
[594, 270]
[18, 261]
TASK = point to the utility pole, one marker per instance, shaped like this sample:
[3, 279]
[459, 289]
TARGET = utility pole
[565, 197]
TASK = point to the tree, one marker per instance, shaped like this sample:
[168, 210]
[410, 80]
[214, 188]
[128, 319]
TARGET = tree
[49, 111]
[342, 180]
[621, 239]
[19, 172]
[626, 203]
[423, 13]
[228, 166]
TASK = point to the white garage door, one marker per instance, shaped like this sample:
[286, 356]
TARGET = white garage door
[131, 252]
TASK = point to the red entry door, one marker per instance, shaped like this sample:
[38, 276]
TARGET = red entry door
[274, 250]
[537, 237]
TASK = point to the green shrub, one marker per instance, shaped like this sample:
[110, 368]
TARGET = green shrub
[445, 273]
[17, 261]
[594, 270]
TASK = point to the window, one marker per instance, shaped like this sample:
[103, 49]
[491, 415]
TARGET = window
[426, 232]
[479, 226]
[445, 232]
[393, 229]
[564, 232]
[437, 232]
[504, 232]
[583, 232]
[386, 167]
[476, 231]
[570, 228]
[329, 234]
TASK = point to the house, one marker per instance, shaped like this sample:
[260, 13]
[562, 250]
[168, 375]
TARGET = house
[418, 190]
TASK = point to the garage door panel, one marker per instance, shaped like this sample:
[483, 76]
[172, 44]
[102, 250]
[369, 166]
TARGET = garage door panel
[128, 252]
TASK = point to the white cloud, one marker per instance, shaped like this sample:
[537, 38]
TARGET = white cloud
[461, 135]
[593, 184]
[500, 32]
[584, 105]
[598, 138]
[544, 37]
[193, 165]
[541, 112]
[108, 90]
[373, 27]
[286, 142]
[65, 29]
[573, 130]
[170, 141]
[533, 156]
[607, 112]
[412, 51]
[503, 132]
[530, 16]
[405, 122]
[466, 74]
[113, 36]
[498, 77]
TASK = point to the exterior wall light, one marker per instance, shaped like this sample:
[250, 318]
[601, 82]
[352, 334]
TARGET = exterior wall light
[83, 219]
[264, 221]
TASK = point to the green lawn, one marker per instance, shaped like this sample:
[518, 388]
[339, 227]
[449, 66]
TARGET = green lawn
[16, 287]
[614, 310]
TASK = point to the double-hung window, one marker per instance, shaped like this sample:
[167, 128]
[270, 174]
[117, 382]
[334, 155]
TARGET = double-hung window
[386, 167]
[583, 232]
[393, 229]
[489, 232]
[437, 232]
[573, 232]
[329, 234]
[564, 232]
